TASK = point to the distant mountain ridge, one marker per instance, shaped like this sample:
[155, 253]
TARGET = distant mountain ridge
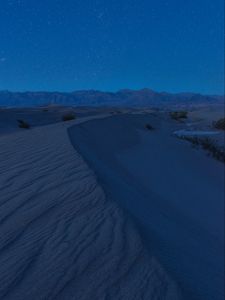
[133, 98]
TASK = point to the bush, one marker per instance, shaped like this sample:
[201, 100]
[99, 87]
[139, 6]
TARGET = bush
[209, 145]
[68, 117]
[23, 124]
[178, 115]
[149, 127]
[220, 124]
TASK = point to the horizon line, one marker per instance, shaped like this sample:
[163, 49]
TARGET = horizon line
[107, 91]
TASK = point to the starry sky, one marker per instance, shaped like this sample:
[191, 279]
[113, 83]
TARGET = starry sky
[67, 45]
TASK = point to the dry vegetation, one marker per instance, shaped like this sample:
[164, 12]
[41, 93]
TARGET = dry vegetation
[220, 124]
[68, 117]
[23, 124]
[179, 115]
[209, 145]
[149, 127]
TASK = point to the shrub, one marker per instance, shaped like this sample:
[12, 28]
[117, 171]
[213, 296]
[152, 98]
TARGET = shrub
[68, 117]
[23, 124]
[209, 145]
[220, 124]
[149, 127]
[178, 115]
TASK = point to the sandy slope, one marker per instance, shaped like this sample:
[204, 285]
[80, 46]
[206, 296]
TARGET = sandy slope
[175, 194]
[60, 237]
[39, 116]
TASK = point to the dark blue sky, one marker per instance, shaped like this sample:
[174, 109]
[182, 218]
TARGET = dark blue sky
[173, 45]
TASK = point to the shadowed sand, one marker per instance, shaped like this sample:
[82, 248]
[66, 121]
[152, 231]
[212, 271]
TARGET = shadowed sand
[174, 193]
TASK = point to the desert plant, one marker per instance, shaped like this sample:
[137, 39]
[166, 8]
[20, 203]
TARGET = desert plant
[220, 124]
[23, 124]
[214, 149]
[149, 127]
[209, 145]
[178, 115]
[68, 117]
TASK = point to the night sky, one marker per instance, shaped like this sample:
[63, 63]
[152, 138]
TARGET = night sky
[66, 45]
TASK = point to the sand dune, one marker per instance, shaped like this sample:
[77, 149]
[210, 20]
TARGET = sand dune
[61, 237]
[175, 194]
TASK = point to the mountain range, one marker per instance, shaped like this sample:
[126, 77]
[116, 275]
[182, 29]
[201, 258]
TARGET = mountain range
[128, 98]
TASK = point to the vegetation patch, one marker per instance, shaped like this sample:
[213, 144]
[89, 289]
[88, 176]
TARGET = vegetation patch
[149, 127]
[210, 145]
[68, 117]
[220, 124]
[23, 124]
[178, 115]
